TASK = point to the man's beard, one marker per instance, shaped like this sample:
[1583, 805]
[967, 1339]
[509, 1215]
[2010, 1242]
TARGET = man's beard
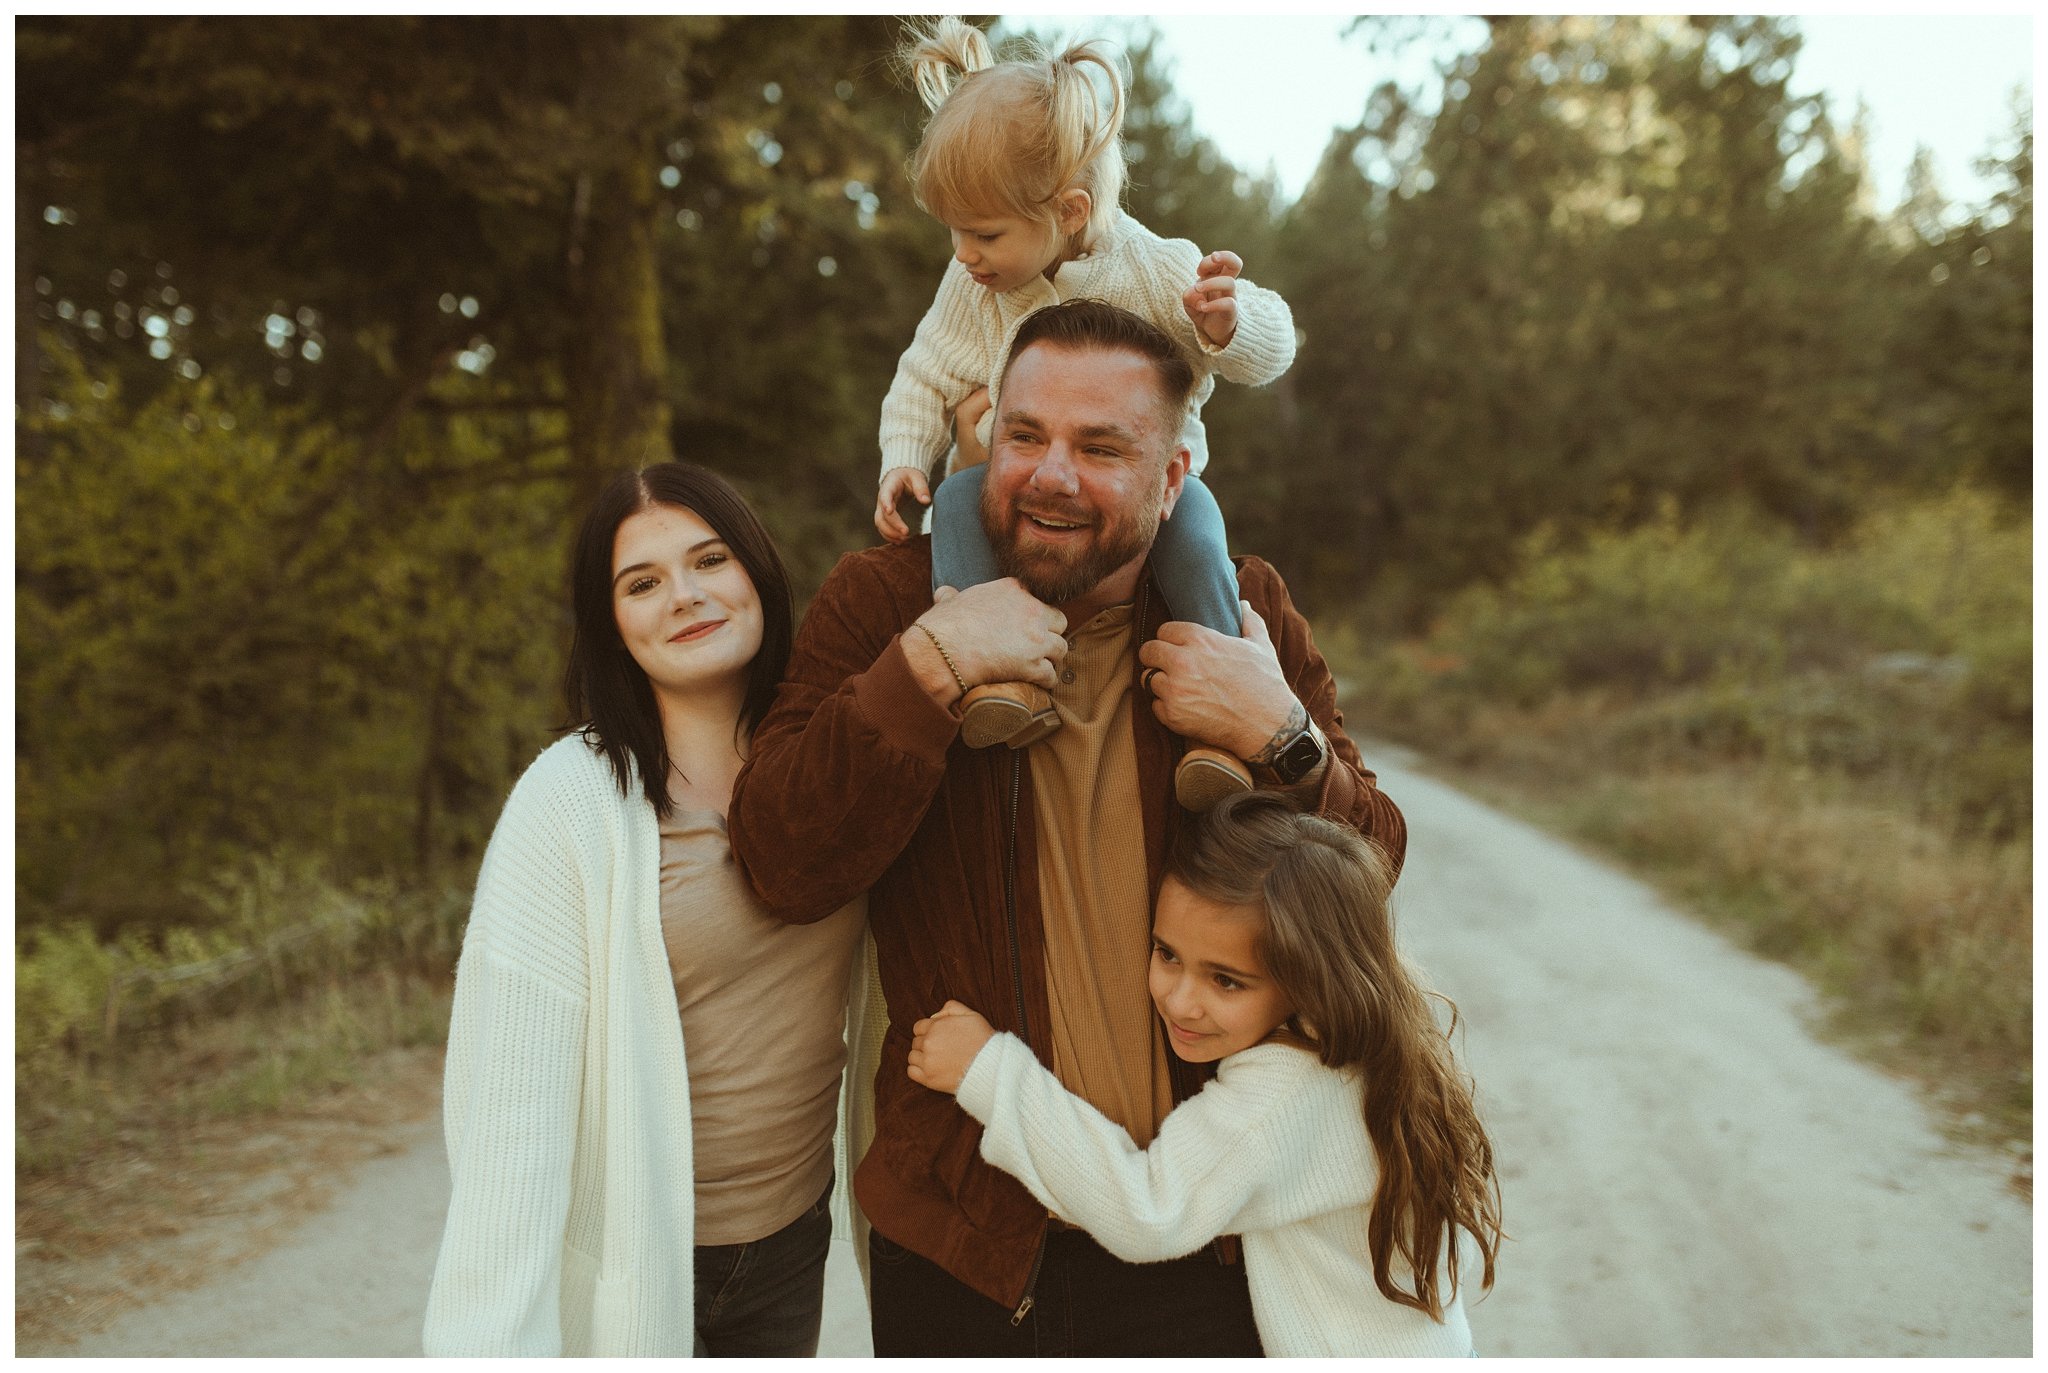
[1058, 575]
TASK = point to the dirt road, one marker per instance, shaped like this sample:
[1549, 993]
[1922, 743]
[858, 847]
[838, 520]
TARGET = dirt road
[1686, 1169]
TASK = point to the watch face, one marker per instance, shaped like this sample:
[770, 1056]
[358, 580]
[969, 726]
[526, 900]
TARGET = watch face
[1296, 760]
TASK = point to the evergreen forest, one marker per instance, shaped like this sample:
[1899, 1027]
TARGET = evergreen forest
[1625, 426]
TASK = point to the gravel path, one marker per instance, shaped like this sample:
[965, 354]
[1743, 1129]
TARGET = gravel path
[1686, 1169]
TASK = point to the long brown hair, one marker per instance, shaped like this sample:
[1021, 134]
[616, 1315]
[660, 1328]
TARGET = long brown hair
[1328, 942]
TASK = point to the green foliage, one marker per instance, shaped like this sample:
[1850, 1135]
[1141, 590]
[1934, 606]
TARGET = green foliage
[276, 929]
[1827, 748]
[330, 325]
[1625, 264]
[1898, 660]
[229, 640]
[1966, 345]
[1661, 605]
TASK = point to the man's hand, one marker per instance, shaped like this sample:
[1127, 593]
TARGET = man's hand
[1223, 692]
[995, 632]
[944, 1046]
[895, 482]
[1212, 301]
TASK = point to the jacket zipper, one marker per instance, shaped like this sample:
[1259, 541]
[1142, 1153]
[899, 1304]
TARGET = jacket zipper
[1017, 988]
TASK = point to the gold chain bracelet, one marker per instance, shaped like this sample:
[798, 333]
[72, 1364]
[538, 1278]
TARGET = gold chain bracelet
[951, 666]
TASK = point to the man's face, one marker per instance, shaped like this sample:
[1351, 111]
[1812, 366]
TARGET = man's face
[1083, 466]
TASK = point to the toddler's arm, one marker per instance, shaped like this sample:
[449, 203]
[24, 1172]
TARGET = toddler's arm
[898, 482]
[1185, 294]
[1212, 301]
[944, 363]
[1213, 1169]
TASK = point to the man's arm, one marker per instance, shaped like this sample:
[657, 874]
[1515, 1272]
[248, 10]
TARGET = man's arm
[853, 750]
[848, 756]
[1240, 694]
[1350, 791]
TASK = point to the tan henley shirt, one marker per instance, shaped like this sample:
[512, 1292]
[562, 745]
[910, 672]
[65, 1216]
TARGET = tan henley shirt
[1107, 1047]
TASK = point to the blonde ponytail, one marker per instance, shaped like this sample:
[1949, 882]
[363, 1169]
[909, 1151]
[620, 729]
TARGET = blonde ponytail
[1088, 129]
[1010, 138]
[939, 53]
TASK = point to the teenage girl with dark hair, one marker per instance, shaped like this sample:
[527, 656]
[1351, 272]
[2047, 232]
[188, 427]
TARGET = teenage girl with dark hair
[611, 1194]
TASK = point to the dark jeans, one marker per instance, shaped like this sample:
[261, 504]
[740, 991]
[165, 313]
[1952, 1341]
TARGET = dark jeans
[1087, 1302]
[766, 1297]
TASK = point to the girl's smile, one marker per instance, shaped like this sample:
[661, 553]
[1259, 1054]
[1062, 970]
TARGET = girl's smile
[1210, 985]
[691, 633]
[676, 590]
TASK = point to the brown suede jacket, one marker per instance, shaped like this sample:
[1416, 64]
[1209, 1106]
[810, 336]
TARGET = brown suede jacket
[858, 781]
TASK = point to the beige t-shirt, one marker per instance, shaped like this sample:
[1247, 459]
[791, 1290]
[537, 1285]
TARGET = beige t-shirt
[1107, 1046]
[764, 1013]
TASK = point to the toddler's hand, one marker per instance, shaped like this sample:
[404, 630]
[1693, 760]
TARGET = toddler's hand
[895, 482]
[1212, 301]
[966, 420]
[945, 1044]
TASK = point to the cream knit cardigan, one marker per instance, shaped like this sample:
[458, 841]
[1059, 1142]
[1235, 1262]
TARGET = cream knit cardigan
[964, 338]
[571, 1228]
[1273, 1149]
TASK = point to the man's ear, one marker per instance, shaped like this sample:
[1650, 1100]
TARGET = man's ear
[1176, 477]
[1075, 205]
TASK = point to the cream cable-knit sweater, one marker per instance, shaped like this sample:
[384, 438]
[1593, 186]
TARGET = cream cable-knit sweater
[1273, 1149]
[964, 338]
[571, 1227]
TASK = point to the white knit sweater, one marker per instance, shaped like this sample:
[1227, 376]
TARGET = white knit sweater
[571, 1228]
[1273, 1149]
[964, 338]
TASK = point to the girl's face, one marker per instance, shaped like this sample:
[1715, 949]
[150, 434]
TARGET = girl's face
[1002, 252]
[686, 608]
[1212, 991]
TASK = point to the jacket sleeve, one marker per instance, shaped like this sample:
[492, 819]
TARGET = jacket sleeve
[1350, 791]
[1261, 349]
[514, 1069]
[848, 758]
[1215, 1168]
[944, 362]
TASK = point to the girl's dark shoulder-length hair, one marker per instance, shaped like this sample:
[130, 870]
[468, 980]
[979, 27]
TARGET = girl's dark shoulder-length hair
[608, 695]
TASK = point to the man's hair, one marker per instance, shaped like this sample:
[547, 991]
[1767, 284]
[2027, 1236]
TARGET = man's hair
[1084, 325]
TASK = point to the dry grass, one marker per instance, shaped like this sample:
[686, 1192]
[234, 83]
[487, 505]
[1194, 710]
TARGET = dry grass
[194, 1147]
[73, 1103]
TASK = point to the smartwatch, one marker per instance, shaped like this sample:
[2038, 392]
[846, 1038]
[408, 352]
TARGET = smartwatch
[1299, 756]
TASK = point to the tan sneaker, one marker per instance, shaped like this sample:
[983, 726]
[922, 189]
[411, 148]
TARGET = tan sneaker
[1014, 713]
[1207, 775]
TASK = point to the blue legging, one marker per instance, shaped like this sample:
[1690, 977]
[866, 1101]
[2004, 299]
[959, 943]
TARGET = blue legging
[1190, 557]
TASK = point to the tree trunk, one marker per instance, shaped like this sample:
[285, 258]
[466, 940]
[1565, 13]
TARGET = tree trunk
[617, 368]
[28, 355]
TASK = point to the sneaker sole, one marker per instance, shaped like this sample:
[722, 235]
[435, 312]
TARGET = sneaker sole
[992, 722]
[1199, 784]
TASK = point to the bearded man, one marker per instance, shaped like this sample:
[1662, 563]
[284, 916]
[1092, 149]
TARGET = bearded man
[1021, 882]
